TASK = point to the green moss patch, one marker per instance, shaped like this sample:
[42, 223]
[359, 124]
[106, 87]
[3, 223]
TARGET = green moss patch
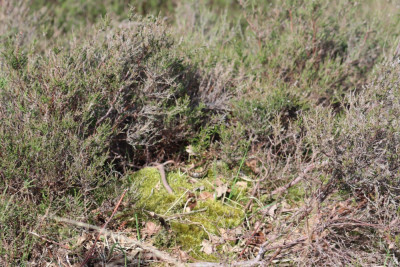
[204, 219]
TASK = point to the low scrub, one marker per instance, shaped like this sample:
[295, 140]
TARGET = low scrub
[72, 117]
[361, 148]
[280, 106]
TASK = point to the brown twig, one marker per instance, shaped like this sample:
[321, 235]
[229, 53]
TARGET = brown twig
[251, 24]
[274, 256]
[112, 108]
[157, 253]
[51, 241]
[298, 178]
[255, 189]
[90, 253]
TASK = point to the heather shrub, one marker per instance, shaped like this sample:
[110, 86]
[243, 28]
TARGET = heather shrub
[318, 49]
[17, 21]
[271, 98]
[361, 148]
[71, 117]
[363, 143]
[125, 90]
[283, 57]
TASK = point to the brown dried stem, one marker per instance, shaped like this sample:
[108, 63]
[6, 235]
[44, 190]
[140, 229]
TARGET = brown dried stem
[90, 253]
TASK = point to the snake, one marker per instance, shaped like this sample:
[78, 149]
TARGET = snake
[160, 168]
[190, 171]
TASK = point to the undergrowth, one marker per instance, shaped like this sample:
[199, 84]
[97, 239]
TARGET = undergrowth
[293, 104]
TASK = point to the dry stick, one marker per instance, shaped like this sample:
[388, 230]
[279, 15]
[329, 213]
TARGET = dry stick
[51, 241]
[162, 255]
[276, 191]
[298, 179]
[90, 253]
[160, 168]
[274, 256]
[159, 254]
[253, 193]
[111, 109]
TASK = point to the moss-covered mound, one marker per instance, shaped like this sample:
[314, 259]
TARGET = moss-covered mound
[191, 216]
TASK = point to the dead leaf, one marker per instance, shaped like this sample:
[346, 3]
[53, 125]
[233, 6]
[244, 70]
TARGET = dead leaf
[80, 240]
[218, 181]
[205, 195]
[258, 238]
[207, 247]
[183, 256]
[191, 201]
[150, 229]
[252, 164]
[221, 190]
[241, 185]
[270, 210]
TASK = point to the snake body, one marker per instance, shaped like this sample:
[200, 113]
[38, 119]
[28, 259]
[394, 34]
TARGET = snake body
[191, 172]
[198, 174]
[160, 168]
